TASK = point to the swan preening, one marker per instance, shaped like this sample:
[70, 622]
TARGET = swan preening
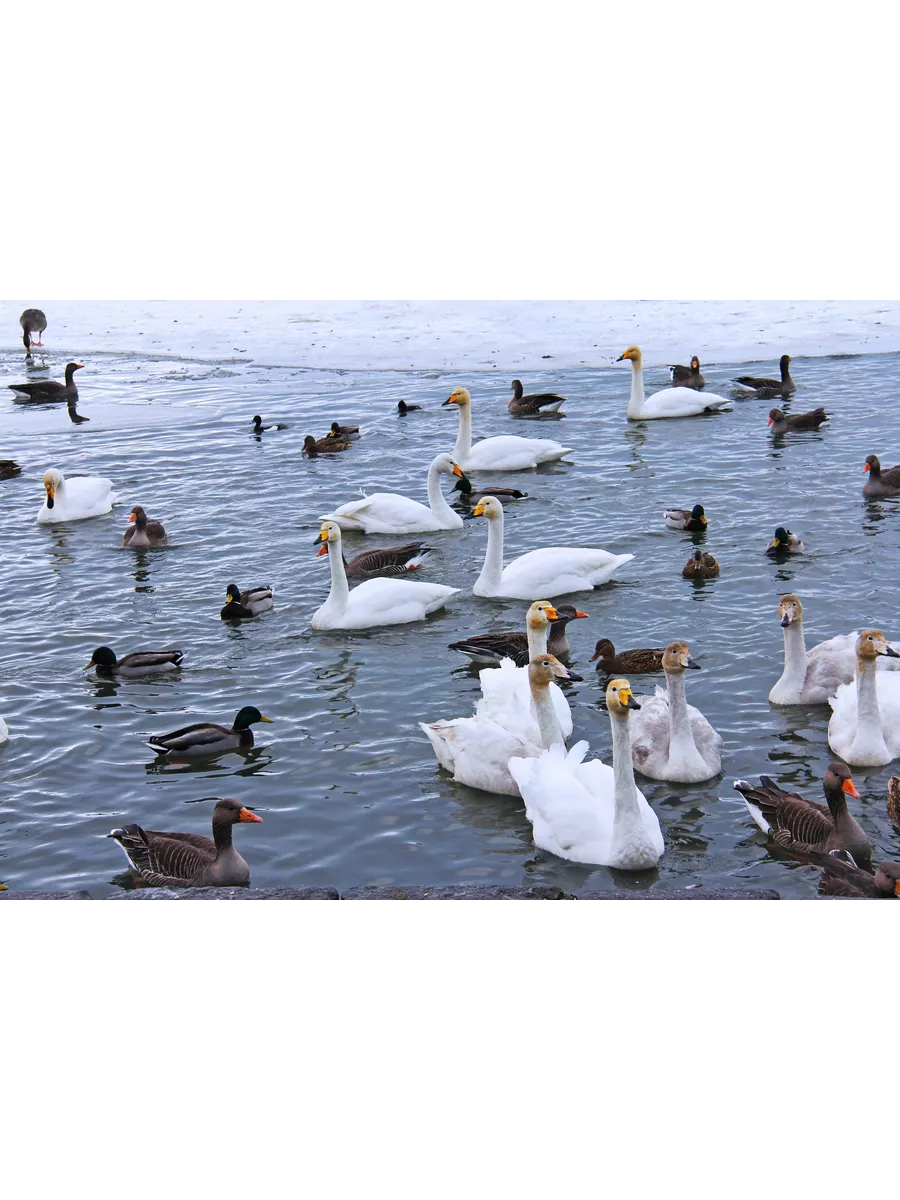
[386, 512]
[865, 721]
[74, 499]
[672, 402]
[554, 571]
[504, 453]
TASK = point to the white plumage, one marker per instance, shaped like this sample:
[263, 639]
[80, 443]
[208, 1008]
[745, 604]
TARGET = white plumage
[505, 453]
[74, 499]
[865, 721]
[671, 402]
[388, 512]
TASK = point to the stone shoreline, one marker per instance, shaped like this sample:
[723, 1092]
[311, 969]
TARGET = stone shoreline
[414, 892]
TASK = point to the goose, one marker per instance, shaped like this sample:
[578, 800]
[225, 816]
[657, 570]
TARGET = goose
[842, 877]
[207, 738]
[785, 542]
[403, 408]
[700, 565]
[588, 812]
[389, 561]
[187, 859]
[880, 483]
[893, 799]
[258, 426]
[671, 402]
[375, 602]
[477, 750]
[325, 445]
[32, 321]
[555, 570]
[250, 603]
[8, 468]
[692, 520]
[628, 662]
[467, 495]
[803, 826]
[74, 499]
[497, 453]
[385, 512]
[535, 404]
[688, 377]
[865, 721]
[50, 389]
[671, 739]
[144, 533]
[768, 389]
[491, 648]
[779, 423]
[141, 662]
[346, 433]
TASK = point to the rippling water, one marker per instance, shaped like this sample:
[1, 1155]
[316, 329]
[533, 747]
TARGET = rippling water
[347, 785]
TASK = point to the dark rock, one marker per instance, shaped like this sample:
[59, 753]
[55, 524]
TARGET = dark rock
[222, 893]
[462, 891]
[79, 895]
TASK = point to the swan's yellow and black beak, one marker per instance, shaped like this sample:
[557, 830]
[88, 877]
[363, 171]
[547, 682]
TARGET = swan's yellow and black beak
[450, 400]
[551, 613]
[626, 699]
[321, 537]
[627, 354]
[478, 510]
[690, 664]
[50, 494]
[457, 470]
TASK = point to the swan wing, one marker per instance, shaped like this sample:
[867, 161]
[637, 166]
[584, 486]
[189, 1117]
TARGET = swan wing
[476, 751]
[506, 698]
[557, 570]
[683, 402]
[509, 453]
[649, 728]
[567, 819]
[385, 512]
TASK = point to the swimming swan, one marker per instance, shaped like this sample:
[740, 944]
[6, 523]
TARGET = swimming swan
[672, 402]
[386, 512]
[865, 721]
[504, 453]
[74, 499]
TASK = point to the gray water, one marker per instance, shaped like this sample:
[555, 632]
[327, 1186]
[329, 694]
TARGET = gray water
[347, 785]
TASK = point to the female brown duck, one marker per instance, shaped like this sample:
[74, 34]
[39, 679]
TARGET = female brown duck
[325, 445]
[628, 662]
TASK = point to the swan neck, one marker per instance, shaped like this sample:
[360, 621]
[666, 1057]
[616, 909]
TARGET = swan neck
[795, 664]
[636, 402]
[538, 639]
[868, 712]
[492, 571]
[681, 738]
[549, 727]
[340, 589]
[626, 799]
[463, 447]
[436, 500]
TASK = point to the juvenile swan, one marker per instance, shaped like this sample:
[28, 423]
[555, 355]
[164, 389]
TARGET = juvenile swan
[865, 721]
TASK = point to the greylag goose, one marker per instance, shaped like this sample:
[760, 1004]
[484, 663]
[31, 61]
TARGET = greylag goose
[470, 495]
[392, 560]
[325, 445]
[188, 859]
[258, 426]
[32, 321]
[880, 483]
[701, 565]
[688, 376]
[50, 389]
[345, 433]
[692, 520]
[240, 605]
[8, 468]
[768, 389]
[785, 542]
[403, 408]
[628, 662]
[144, 533]
[779, 423]
[803, 826]
[207, 738]
[141, 662]
[493, 647]
[535, 404]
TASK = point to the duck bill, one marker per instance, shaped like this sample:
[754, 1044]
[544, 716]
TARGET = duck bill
[847, 786]
[770, 421]
[247, 815]
[131, 518]
[88, 667]
[79, 366]
[774, 544]
[268, 720]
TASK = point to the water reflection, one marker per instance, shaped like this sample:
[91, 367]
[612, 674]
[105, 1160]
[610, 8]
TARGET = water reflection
[255, 760]
[141, 571]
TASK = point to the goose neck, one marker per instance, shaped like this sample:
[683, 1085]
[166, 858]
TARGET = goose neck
[222, 831]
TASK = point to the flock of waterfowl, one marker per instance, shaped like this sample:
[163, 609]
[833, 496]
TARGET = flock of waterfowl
[514, 743]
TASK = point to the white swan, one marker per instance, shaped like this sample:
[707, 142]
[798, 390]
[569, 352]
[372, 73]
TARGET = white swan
[586, 811]
[671, 739]
[477, 750]
[865, 721]
[387, 512]
[375, 602]
[554, 571]
[74, 499]
[671, 402]
[504, 453]
[812, 676]
[4, 731]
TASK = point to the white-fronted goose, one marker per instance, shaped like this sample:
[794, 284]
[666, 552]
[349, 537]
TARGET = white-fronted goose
[32, 321]
[50, 389]
[325, 445]
[8, 468]
[188, 859]
[779, 423]
[535, 404]
[250, 603]
[701, 565]
[513, 643]
[768, 389]
[688, 376]
[880, 483]
[803, 825]
[144, 532]
[630, 662]
[346, 433]
[258, 426]
[403, 408]
[387, 562]
[141, 662]
[470, 495]
[691, 520]
[785, 542]
[207, 738]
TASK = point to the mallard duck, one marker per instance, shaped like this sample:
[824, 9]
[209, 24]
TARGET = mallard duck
[403, 408]
[141, 662]
[468, 495]
[628, 662]
[258, 426]
[74, 499]
[804, 826]
[785, 542]
[893, 799]
[494, 647]
[768, 389]
[535, 404]
[8, 468]
[325, 445]
[32, 321]
[864, 728]
[386, 512]
[50, 389]
[240, 605]
[497, 453]
[688, 377]
[387, 562]
[188, 859]
[345, 433]
[692, 520]
[841, 876]
[880, 483]
[671, 402]
[207, 738]
[779, 423]
[700, 565]
[144, 533]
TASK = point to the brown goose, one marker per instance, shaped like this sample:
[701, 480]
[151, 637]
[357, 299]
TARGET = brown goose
[50, 389]
[803, 826]
[535, 404]
[32, 321]
[768, 389]
[688, 376]
[842, 877]
[144, 532]
[470, 496]
[701, 565]
[779, 423]
[493, 647]
[325, 445]
[188, 859]
[880, 483]
[8, 468]
[631, 662]
[345, 433]
[385, 563]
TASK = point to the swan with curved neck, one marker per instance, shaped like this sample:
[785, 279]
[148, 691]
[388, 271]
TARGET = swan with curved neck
[74, 499]
[672, 402]
[506, 453]
[865, 722]
[387, 512]
[671, 739]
